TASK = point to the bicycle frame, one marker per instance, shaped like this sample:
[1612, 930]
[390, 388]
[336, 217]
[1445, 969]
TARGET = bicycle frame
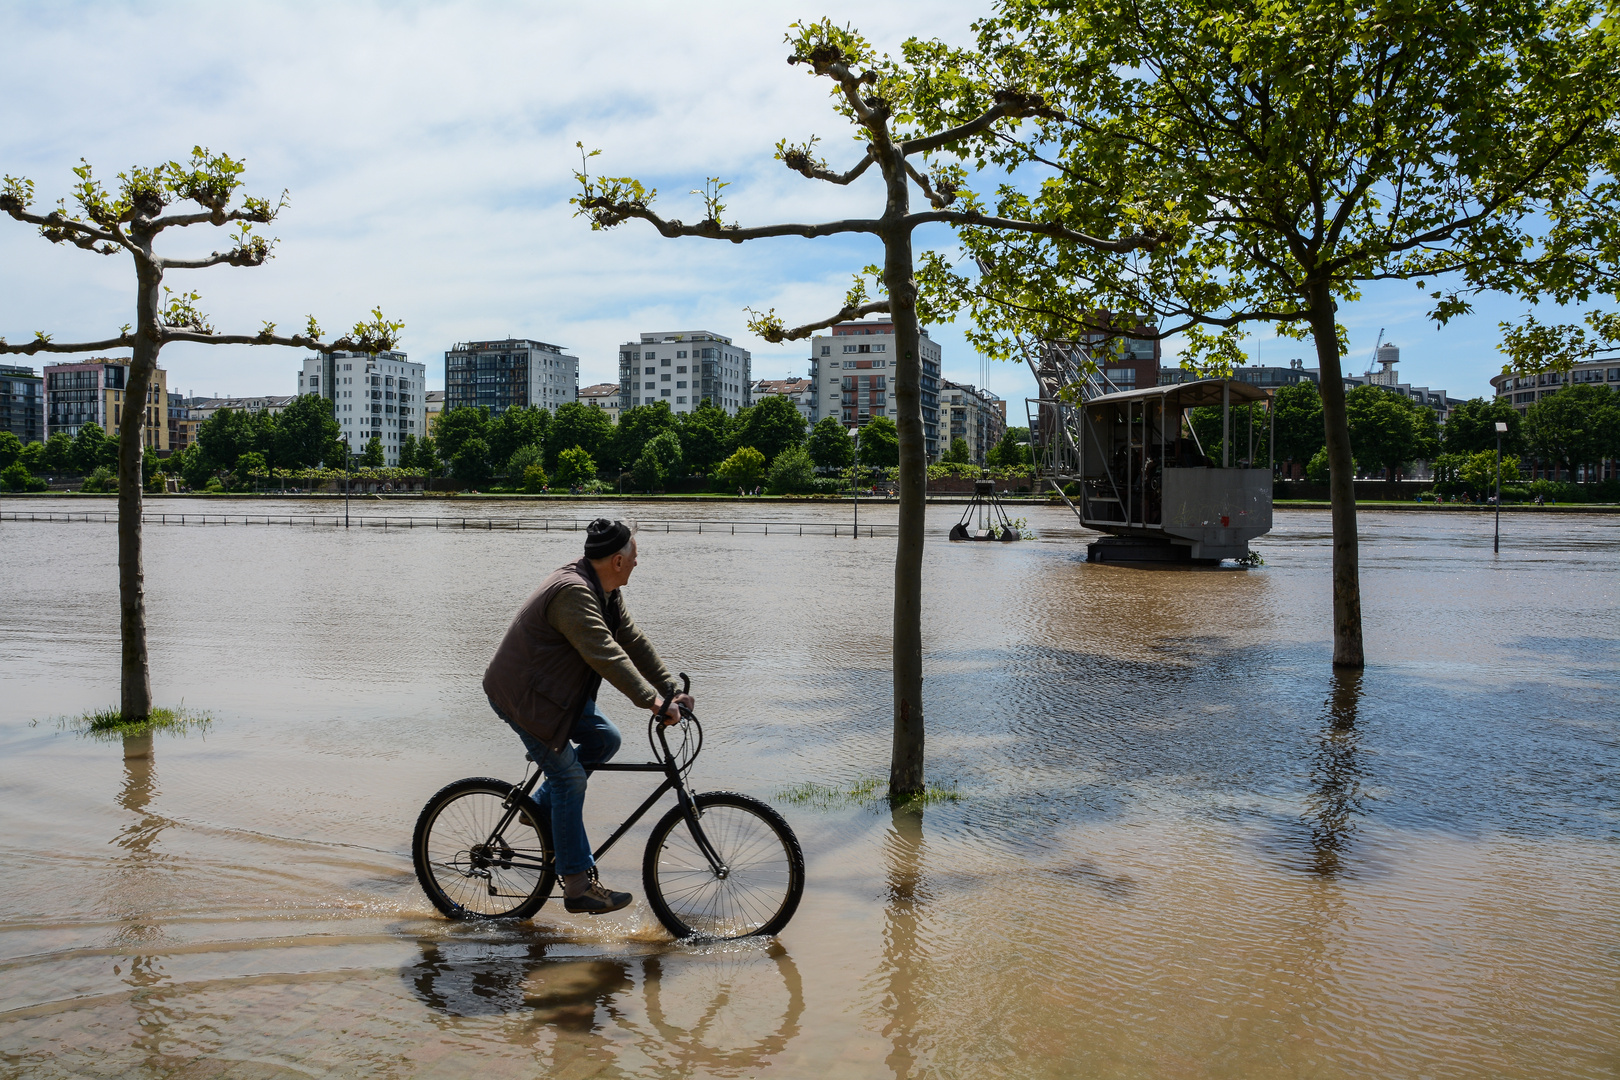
[672, 781]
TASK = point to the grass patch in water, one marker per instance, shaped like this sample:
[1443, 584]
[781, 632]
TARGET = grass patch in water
[109, 724]
[868, 790]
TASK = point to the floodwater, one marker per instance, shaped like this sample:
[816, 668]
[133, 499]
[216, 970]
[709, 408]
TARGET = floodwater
[1181, 846]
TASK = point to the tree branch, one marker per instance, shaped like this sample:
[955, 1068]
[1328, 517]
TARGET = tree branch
[607, 214]
[1009, 103]
[1134, 242]
[264, 337]
[800, 162]
[211, 217]
[235, 257]
[74, 232]
[40, 345]
[776, 333]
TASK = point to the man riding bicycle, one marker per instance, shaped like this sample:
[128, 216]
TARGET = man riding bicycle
[570, 634]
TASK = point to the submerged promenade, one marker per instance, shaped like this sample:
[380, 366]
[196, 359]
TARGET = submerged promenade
[1179, 844]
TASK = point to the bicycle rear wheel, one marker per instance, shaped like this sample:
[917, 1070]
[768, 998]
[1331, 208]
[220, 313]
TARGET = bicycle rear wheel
[468, 871]
[763, 876]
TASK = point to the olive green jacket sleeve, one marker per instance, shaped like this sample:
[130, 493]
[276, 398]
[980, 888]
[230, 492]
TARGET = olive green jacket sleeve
[627, 660]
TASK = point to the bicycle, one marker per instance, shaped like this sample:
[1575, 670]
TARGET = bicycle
[482, 848]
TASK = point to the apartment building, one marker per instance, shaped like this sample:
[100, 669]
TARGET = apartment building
[93, 392]
[604, 396]
[500, 374]
[379, 395]
[22, 403]
[204, 408]
[433, 402]
[795, 388]
[1524, 391]
[182, 425]
[683, 368]
[852, 372]
[972, 414]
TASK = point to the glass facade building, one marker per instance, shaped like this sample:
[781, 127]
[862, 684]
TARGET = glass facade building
[22, 403]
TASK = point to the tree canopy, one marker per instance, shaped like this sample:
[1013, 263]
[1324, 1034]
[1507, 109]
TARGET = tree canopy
[1471, 427]
[1579, 425]
[770, 426]
[831, 448]
[1284, 154]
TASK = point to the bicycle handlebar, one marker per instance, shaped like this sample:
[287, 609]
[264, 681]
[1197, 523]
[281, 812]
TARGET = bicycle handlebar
[686, 688]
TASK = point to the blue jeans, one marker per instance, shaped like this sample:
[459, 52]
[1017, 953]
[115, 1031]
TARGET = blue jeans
[594, 739]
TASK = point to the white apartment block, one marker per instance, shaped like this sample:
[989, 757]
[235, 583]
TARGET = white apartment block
[604, 396]
[852, 377]
[683, 368]
[382, 395]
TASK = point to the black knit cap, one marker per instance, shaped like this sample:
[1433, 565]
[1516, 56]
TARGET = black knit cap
[604, 538]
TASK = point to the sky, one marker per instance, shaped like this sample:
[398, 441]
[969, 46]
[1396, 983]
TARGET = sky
[428, 153]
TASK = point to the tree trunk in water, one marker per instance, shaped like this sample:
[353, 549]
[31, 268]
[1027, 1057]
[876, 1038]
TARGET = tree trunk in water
[906, 761]
[135, 681]
[1347, 647]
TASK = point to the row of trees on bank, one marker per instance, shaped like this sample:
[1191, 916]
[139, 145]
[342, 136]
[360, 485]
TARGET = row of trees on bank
[769, 442]
[1579, 426]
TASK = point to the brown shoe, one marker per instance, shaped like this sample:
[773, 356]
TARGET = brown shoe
[593, 898]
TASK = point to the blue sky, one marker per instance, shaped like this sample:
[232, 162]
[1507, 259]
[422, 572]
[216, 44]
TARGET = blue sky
[428, 152]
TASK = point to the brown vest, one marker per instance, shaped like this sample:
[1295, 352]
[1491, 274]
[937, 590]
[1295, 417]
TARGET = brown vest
[537, 677]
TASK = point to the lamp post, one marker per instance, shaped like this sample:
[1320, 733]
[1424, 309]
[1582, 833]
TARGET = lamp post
[1501, 429]
[855, 487]
[348, 459]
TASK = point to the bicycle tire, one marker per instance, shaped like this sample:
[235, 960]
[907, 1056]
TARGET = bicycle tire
[466, 883]
[766, 870]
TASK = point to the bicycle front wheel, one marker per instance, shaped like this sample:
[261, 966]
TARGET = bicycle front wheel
[471, 871]
[760, 881]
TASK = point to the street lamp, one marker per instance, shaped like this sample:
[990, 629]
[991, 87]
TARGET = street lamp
[855, 487]
[1501, 429]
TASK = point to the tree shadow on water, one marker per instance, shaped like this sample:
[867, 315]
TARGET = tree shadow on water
[1334, 801]
[903, 853]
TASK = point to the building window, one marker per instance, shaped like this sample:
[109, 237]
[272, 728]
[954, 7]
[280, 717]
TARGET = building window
[680, 401]
[646, 386]
[663, 363]
[681, 370]
[826, 350]
[647, 371]
[849, 348]
[649, 356]
[680, 384]
[680, 355]
[665, 391]
[664, 377]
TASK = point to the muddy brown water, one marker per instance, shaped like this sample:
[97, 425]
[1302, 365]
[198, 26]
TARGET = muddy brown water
[1181, 847]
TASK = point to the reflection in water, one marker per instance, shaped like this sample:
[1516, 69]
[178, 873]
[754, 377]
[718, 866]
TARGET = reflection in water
[135, 874]
[730, 1008]
[1335, 798]
[902, 953]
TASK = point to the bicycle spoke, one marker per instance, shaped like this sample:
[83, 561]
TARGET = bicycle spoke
[477, 871]
[758, 873]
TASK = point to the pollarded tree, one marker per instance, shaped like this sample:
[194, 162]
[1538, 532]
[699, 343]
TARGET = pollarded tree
[1295, 150]
[875, 95]
[129, 221]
